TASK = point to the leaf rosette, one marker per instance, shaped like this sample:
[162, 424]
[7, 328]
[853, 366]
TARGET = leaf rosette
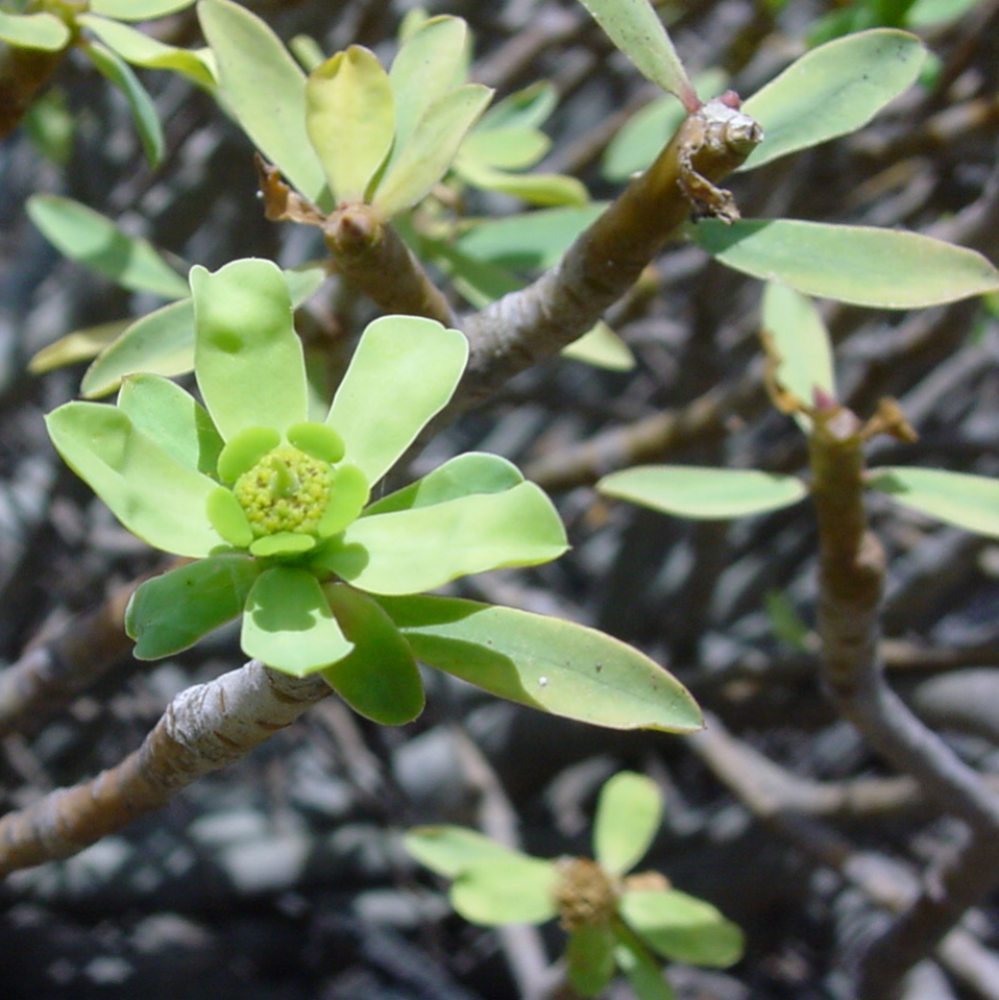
[272, 505]
[614, 920]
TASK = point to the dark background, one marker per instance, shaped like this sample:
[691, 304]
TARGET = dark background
[282, 877]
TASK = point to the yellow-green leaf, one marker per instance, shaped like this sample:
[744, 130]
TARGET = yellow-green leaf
[34, 31]
[350, 117]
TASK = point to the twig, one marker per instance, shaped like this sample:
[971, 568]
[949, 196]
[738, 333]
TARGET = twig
[851, 581]
[528, 326]
[50, 673]
[203, 729]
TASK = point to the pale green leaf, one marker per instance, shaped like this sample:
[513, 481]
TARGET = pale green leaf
[508, 148]
[264, 89]
[464, 475]
[138, 10]
[350, 117]
[172, 418]
[421, 361]
[80, 345]
[603, 348]
[526, 108]
[970, 502]
[537, 189]
[431, 148]
[430, 63]
[634, 27]
[34, 31]
[515, 890]
[547, 664]
[140, 49]
[163, 341]
[529, 240]
[928, 13]
[882, 268]
[288, 624]
[449, 850]
[172, 612]
[691, 491]
[379, 677]
[247, 357]
[409, 551]
[153, 495]
[647, 131]
[832, 90]
[147, 124]
[802, 343]
[629, 811]
[682, 928]
[50, 125]
[92, 239]
[642, 972]
[590, 958]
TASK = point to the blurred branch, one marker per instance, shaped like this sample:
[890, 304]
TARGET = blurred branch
[203, 729]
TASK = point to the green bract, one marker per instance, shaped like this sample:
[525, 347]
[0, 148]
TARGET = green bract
[273, 506]
[612, 920]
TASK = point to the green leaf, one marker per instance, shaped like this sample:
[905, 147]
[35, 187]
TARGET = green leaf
[162, 342]
[590, 958]
[515, 890]
[34, 31]
[248, 359]
[970, 502]
[461, 476]
[147, 489]
[379, 677]
[647, 131]
[430, 63]
[927, 13]
[80, 345]
[350, 117]
[861, 265]
[529, 240]
[140, 49]
[603, 348]
[111, 65]
[94, 240]
[832, 90]
[643, 972]
[138, 10]
[509, 148]
[682, 928]
[421, 361]
[288, 624]
[51, 127]
[172, 612]
[449, 850]
[264, 89]
[538, 189]
[629, 812]
[526, 108]
[689, 491]
[802, 342]
[634, 27]
[409, 551]
[172, 418]
[428, 153]
[551, 665]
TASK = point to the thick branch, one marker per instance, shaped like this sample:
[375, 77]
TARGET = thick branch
[525, 327]
[23, 73]
[203, 729]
